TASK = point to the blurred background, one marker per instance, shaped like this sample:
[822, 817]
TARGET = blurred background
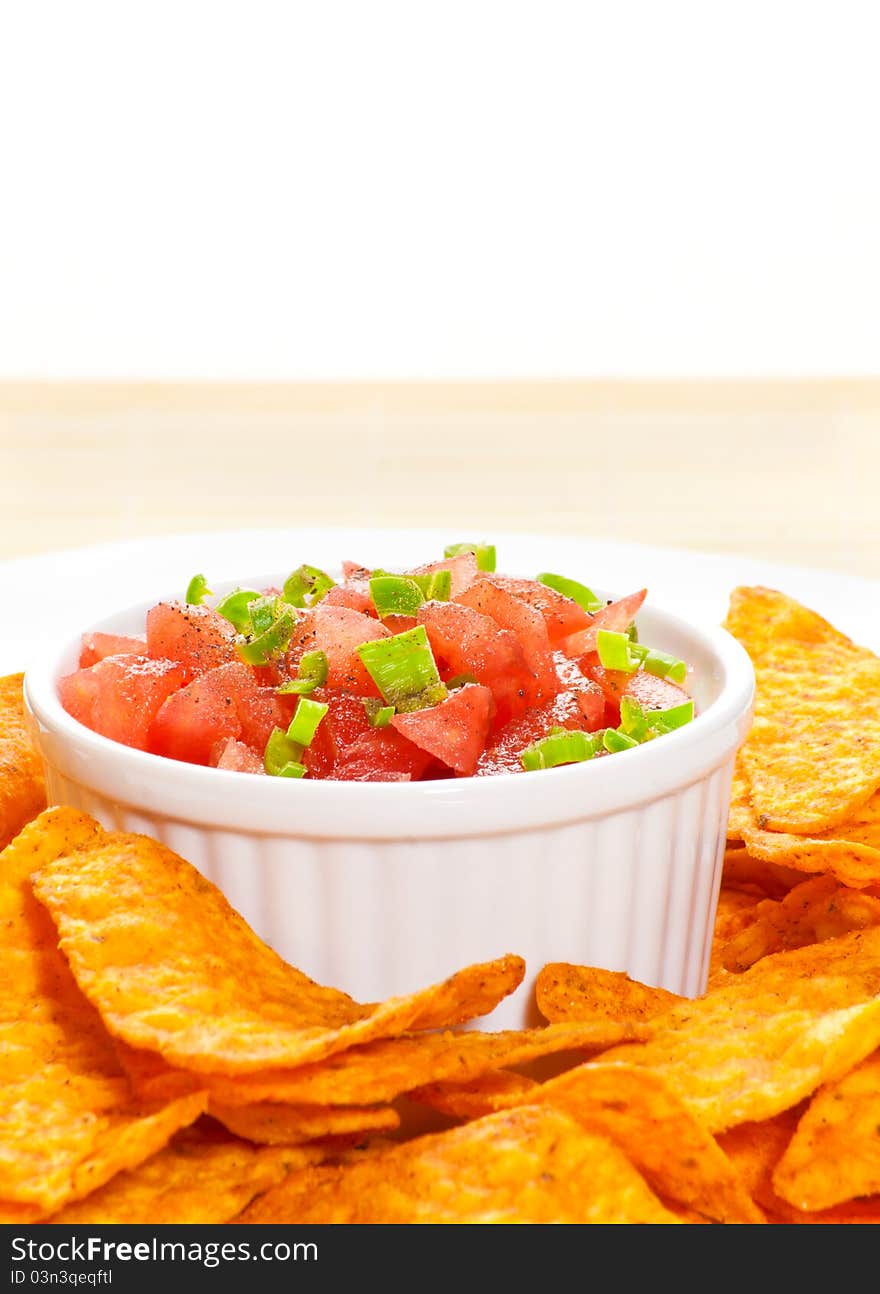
[609, 270]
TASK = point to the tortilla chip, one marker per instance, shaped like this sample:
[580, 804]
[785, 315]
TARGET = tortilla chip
[531, 1164]
[381, 1070]
[850, 851]
[173, 968]
[638, 1111]
[743, 871]
[759, 617]
[739, 813]
[762, 1041]
[22, 787]
[202, 1176]
[755, 1149]
[67, 1123]
[815, 910]
[566, 992]
[813, 754]
[290, 1125]
[736, 911]
[834, 1155]
[497, 1090]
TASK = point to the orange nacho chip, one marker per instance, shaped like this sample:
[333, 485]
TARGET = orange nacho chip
[813, 911]
[813, 754]
[834, 1155]
[762, 1041]
[67, 1123]
[386, 1068]
[484, 1095]
[22, 788]
[530, 1164]
[753, 875]
[759, 617]
[174, 969]
[735, 912]
[850, 851]
[290, 1125]
[203, 1175]
[740, 814]
[567, 992]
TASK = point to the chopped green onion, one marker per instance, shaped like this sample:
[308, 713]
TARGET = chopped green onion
[615, 651]
[395, 595]
[378, 714]
[675, 717]
[263, 613]
[615, 741]
[312, 673]
[634, 721]
[234, 607]
[563, 746]
[260, 650]
[423, 700]
[282, 755]
[484, 553]
[460, 680]
[306, 585]
[402, 667]
[297, 687]
[304, 723]
[632, 633]
[578, 593]
[197, 590]
[436, 585]
[314, 664]
[665, 666]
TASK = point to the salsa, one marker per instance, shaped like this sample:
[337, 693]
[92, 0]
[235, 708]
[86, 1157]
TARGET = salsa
[445, 670]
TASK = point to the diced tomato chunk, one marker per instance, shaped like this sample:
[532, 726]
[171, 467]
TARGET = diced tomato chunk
[382, 755]
[590, 697]
[345, 721]
[338, 631]
[453, 731]
[617, 616]
[502, 755]
[97, 646]
[465, 642]
[120, 695]
[224, 702]
[562, 616]
[235, 756]
[526, 623]
[354, 595]
[463, 571]
[196, 636]
[654, 693]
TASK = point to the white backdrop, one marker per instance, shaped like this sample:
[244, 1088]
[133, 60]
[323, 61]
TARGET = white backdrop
[460, 188]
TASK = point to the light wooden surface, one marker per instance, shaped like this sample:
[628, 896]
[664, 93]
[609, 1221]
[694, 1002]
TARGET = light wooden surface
[788, 471]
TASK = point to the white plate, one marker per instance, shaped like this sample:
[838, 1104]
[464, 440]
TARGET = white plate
[45, 595]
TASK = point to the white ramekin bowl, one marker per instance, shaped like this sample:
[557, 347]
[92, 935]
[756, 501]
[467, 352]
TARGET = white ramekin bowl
[380, 888]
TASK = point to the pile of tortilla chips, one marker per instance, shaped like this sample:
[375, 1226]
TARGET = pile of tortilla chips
[158, 1062]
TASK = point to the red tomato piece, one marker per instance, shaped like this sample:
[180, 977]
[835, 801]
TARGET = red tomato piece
[564, 711]
[235, 756]
[382, 755]
[562, 616]
[463, 571]
[345, 721]
[196, 636]
[97, 646]
[654, 693]
[224, 702]
[120, 695]
[589, 694]
[354, 595]
[617, 616]
[338, 631]
[453, 731]
[465, 642]
[526, 623]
